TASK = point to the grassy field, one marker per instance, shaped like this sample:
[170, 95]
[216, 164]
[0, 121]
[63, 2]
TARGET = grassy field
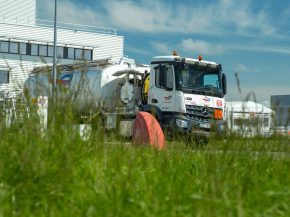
[58, 174]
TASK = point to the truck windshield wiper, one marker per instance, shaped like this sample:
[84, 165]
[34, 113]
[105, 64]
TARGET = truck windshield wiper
[198, 91]
[211, 90]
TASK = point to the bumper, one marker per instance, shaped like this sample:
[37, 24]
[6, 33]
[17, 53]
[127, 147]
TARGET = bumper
[184, 125]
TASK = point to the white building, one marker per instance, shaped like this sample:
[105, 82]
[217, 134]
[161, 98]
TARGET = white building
[26, 42]
[281, 105]
[249, 118]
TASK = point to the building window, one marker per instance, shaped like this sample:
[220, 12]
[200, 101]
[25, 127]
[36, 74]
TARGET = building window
[59, 52]
[45, 50]
[70, 53]
[13, 48]
[22, 48]
[50, 51]
[88, 54]
[65, 52]
[4, 76]
[78, 54]
[28, 49]
[34, 49]
[42, 50]
[4, 45]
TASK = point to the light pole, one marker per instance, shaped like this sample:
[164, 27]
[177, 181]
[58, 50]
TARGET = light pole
[54, 49]
[54, 70]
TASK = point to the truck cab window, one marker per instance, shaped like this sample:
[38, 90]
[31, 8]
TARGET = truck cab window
[211, 80]
[164, 76]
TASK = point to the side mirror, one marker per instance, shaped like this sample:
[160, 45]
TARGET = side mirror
[224, 83]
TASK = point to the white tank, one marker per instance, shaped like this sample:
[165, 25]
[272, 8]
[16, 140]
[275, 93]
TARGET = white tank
[114, 87]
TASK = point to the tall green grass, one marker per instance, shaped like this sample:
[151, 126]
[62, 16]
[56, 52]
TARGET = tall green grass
[53, 172]
[56, 173]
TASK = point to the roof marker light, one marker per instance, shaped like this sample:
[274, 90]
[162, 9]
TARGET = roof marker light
[174, 53]
[199, 58]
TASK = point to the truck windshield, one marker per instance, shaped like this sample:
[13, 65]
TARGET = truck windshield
[199, 80]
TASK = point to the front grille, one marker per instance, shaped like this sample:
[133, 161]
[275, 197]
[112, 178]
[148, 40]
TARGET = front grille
[199, 113]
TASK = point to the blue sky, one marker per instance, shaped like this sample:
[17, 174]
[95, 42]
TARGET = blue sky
[248, 37]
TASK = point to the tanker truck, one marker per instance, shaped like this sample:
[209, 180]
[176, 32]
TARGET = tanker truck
[185, 95]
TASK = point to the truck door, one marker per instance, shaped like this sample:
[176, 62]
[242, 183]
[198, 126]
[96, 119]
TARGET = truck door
[161, 93]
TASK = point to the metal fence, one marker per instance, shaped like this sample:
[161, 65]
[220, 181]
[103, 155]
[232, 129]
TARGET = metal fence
[61, 25]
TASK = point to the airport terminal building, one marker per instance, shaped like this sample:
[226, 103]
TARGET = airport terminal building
[26, 42]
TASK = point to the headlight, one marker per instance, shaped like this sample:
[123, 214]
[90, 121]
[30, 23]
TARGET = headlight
[181, 123]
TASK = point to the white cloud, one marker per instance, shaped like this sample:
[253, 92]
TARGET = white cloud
[241, 68]
[162, 48]
[286, 15]
[70, 12]
[161, 16]
[220, 17]
[262, 91]
[260, 48]
[201, 47]
[137, 50]
[130, 15]
[189, 47]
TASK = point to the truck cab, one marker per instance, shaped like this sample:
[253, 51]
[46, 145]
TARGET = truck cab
[186, 94]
